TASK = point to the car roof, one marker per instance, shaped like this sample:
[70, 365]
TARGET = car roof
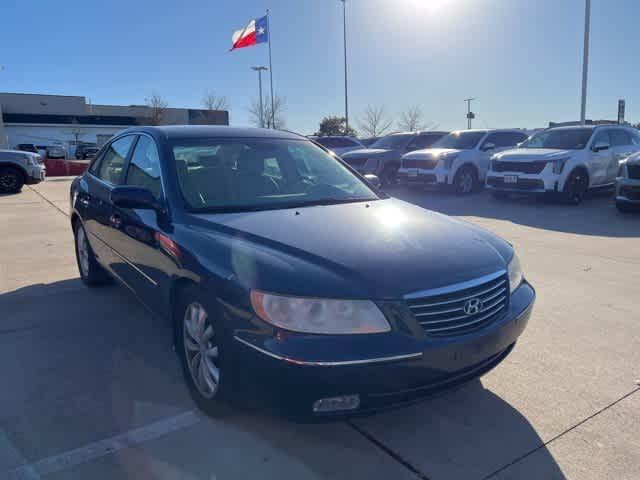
[21, 152]
[590, 127]
[208, 131]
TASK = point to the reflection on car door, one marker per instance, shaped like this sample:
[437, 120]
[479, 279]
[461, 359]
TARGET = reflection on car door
[600, 161]
[137, 234]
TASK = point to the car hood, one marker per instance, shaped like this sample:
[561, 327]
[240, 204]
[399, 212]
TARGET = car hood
[533, 154]
[365, 152]
[431, 153]
[383, 249]
[633, 159]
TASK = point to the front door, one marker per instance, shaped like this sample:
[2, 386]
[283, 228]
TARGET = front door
[140, 236]
[599, 162]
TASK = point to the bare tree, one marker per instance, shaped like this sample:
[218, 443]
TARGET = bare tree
[264, 118]
[158, 107]
[411, 119]
[375, 121]
[211, 101]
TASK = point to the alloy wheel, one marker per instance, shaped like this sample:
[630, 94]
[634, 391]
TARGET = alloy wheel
[8, 181]
[201, 350]
[83, 251]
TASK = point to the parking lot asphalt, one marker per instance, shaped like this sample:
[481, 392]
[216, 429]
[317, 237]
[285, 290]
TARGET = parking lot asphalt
[92, 389]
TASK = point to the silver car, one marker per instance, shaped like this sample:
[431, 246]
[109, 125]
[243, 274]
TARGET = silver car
[18, 168]
[628, 184]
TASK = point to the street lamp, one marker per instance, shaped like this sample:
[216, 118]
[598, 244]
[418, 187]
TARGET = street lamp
[346, 94]
[585, 60]
[260, 69]
[470, 114]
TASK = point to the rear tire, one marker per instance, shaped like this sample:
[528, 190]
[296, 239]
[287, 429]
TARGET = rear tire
[91, 272]
[11, 180]
[576, 186]
[466, 180]
[201, 343]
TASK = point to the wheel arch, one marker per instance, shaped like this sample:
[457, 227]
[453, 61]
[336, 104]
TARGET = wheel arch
[17, 166]
[466, 163]
[575, 168]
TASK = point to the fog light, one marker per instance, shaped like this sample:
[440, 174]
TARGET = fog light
[336, 404]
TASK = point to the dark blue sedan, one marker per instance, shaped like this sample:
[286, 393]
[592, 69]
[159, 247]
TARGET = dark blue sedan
[288, 278]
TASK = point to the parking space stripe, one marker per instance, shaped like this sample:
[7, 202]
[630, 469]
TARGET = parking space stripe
[101, 448]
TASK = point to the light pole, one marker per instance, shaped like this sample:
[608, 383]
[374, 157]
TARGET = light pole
[260, 70]
[470, 114]
[346, 92]
[585, 60]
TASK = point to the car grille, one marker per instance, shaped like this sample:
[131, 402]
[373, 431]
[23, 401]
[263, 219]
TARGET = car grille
[523, 184]
[443, 314]
[426, 164]
[634, 171]
[356, 162]
[520, 167]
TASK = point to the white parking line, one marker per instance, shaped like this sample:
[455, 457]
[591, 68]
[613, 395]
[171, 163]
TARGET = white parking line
[101, 448]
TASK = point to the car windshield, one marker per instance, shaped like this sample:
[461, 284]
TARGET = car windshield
[391, 142]
[565, 139]
[460, 140]
[239, 174]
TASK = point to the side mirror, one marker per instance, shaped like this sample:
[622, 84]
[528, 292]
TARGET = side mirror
[373, 180]
[599, 146]
[133, 197]
[488, 146]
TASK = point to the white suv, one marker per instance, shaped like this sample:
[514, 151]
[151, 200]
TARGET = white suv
[460, 159]
[564, 160]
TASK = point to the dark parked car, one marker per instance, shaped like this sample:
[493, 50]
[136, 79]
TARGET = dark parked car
[257, 246]
[383, 157]
[367, 142]
[85, 151]
[27, 147]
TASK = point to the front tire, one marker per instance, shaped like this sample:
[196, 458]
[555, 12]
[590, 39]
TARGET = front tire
[11, 180]
[91, 272]
[576, 186]
[200, 340]
[466, 180]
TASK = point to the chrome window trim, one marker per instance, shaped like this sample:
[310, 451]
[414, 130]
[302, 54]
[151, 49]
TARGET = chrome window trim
[394, 358]
[454, 287]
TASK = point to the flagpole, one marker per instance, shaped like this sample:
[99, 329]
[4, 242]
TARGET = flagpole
[273, 113]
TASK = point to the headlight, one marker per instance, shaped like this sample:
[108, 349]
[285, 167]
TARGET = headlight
[31, 160]
[447, 160]
[317, 315]
[515, 273]
[558, 164]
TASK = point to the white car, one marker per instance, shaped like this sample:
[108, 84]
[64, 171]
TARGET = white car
[460, 159]
[340, 145]
[564, 160]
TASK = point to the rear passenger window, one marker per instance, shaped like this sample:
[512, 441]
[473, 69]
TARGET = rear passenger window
[112, 166]
[144, 169]
[619, 137]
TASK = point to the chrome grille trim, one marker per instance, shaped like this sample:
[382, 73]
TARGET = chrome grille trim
[441, 311]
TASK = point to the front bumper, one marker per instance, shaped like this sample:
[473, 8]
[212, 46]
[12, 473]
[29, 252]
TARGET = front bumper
[36, 174]
[421, 176]
[628, 191]
[290, 373]
[545, 181]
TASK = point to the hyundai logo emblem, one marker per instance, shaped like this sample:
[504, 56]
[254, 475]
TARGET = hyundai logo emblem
[472, 306]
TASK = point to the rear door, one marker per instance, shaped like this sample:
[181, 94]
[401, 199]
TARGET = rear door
[108, 171]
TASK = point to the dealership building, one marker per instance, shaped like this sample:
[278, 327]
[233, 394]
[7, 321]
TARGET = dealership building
[66, 121]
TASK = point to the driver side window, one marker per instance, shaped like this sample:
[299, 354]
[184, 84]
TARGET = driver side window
[602, 137]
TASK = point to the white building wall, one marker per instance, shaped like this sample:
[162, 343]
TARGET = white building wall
[63, 135]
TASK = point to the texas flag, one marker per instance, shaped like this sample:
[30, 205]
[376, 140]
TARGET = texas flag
[257, 31]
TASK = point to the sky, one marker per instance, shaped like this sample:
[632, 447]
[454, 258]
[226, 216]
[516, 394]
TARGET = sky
[522, 59]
